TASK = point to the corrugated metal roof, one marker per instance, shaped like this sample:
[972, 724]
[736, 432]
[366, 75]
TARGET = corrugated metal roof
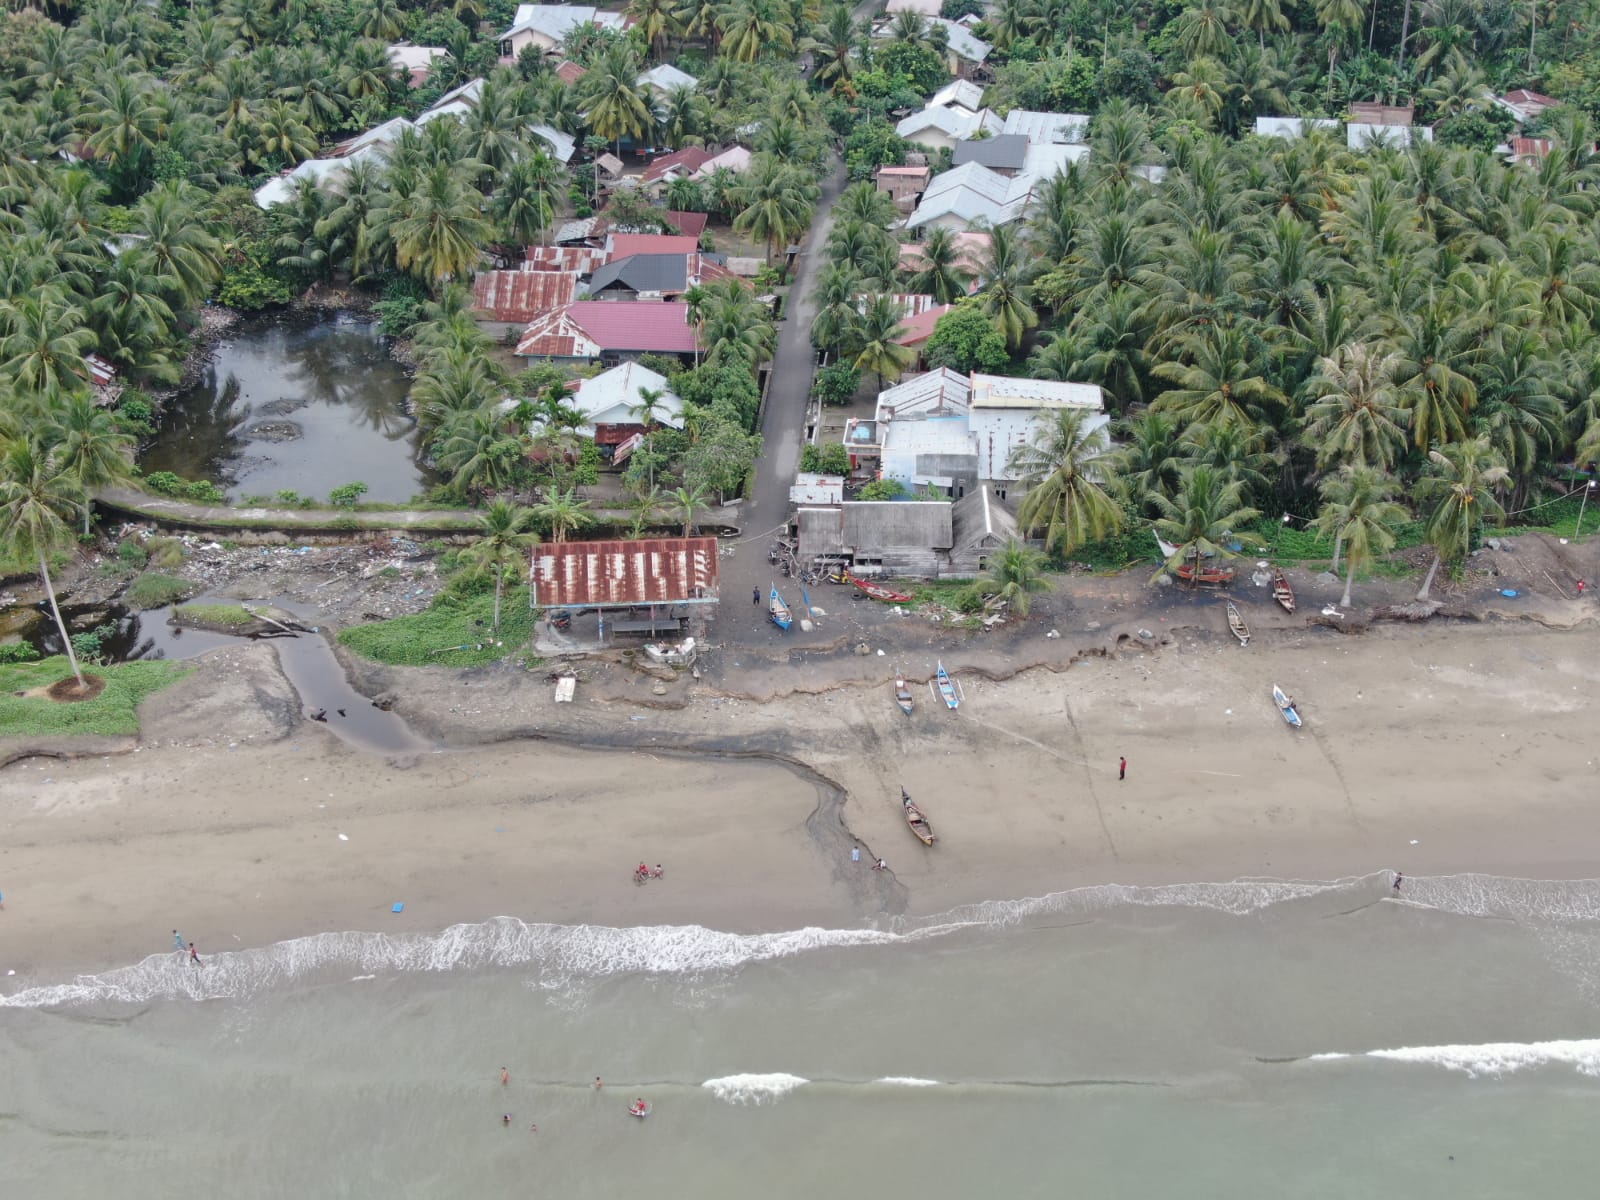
[649, 571]
[662, 327]
[679, 162]
[626, 245]
[522, 295]
[582, 260]
[570, 72]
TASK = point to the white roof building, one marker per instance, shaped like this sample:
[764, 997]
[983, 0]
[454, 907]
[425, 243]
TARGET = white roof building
[415, 61]
[961, 92]
[1006, 408]
[734, 158]
[666, 78]
[1292, 127]
[812, 488]
[972, 194]
[942, 126]
[963, 45]
[610, 397]
[547, 25]
[1047, 126]
[372, 144]
[1359, 135]
[561, 144]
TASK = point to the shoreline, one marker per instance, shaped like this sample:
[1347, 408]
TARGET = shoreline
[212, 833]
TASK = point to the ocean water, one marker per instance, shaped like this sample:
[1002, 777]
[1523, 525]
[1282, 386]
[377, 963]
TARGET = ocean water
[1243, 1039]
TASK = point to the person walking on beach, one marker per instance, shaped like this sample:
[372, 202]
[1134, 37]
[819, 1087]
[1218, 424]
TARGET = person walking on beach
[755, 595]
[178, 943]
[1122, 768]
[597, 1084]
[194, 957]
[505, 1077]
[1399, 878]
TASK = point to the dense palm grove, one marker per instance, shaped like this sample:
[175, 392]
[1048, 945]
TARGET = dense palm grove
[1279, 325]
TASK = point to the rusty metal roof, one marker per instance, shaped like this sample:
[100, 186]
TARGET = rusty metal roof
[522, 295]
[648, 571]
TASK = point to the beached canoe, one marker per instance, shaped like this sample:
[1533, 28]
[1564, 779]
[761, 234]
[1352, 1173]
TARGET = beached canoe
[1286, 707]
[1198, 574]
[878, 592]
[1236, 623]
[915, 819]
[1281, 591]
[947, 689]
[778, 611]
[902, 694]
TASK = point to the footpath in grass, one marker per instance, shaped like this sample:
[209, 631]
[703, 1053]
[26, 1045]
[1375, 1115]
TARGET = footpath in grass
[112, 713]
[454, 632]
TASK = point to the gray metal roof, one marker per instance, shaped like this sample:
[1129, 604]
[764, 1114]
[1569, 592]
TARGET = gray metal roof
[1007, 152]
[871, 526]
[643, 273]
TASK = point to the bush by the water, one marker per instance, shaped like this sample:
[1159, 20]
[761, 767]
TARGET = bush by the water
[453, 620]
[214, 614]
[154, 590]
[202, 491]
[113, 712]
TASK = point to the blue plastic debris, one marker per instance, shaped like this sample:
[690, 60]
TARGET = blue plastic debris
[398, 907]
[1509, 593]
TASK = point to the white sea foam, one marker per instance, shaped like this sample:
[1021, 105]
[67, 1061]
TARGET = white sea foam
[908, 1081]
[753, 1089]
[1493, 1058]
[1508, 898]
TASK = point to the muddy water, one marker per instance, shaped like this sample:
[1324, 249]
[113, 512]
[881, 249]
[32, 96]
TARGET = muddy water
[303, 406]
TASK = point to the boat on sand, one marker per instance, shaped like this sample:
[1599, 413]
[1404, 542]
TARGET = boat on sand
[1286, 707]
[902, 694]
[915, 819]
[1236, 623]
[947, 689]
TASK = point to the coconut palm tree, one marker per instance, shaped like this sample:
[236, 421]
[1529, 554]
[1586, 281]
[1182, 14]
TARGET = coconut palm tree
[439, 230]
[775, 200]
[749, 27]
[474, 448]
[1357, 419]
[383, 20]
[838, 286]
[1005, 292]
[89, 445]
[654, 20]
[1198, 519]
[1357, 513]
[617, 106]
[1434, 347]
[872, 336]
[1017, 575]
[38, 496]
[123, 117]
[736, 328]
[182, 250]
[1223, 383]
[527, 196]
[1456, 496]
[43, 343]
[280, 129]
[939, 271]
[686, 500]
[1112, 340]
[1149, 461]
[504, 539]
[563, 512]
[1062, 466]
[834, 43]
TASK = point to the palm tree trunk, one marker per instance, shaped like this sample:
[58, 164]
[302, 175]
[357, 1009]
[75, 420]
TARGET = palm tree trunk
[1427, 582]
[499, 582]
[1349, 578]
[1405, 32]
[1338, 544]
[55, 609]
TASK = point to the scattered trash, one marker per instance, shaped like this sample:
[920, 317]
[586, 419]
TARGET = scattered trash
[1054, 633]
[1413, 841]
[1509, 593]
[399, 906]
[880, 653]
[635, 718]
[344, 837]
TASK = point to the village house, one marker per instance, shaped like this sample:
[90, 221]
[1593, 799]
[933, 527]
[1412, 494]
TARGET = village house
[965, 55]
[610, 403]
[623, 245]
[973, 195]
[546, 26]
[1066, 128]
[654, 276]
[663, 79]
[610, 333]
[1523, 105]
[1290, 128]
[517, 297]
[903, 185]
[950, 433]
[416, 62]
[933, 539]
[648, 587]
[1004, 154]
[680, 164]
[944, 126]
[972, 252]
[1383, 125]
[1526, 151]
[917, 329]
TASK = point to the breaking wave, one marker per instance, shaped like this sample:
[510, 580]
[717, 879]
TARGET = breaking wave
[559, 953]
[753, 1089]
[1492, 1058]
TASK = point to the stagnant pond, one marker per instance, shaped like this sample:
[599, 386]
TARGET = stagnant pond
[303, 405]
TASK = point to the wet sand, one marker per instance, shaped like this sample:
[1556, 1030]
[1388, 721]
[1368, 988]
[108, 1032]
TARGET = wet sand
[1475, 741]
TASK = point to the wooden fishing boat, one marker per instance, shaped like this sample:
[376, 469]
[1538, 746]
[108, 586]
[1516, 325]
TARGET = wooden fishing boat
[1236, 623]
[902, 694]
[1286, 707]
[878, 592]
[915, 819]
[947, 689]
[1199, 574]
[1281, 591]
[778, 611]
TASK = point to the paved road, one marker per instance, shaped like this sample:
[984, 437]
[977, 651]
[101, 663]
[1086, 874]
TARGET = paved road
[747, 568]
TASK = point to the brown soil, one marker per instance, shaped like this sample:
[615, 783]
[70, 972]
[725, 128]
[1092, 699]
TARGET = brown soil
[68, 691]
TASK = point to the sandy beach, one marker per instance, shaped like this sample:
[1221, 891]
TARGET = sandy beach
[1433, 750]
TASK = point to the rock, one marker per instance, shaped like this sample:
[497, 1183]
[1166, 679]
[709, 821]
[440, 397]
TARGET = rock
[87, 620]
[1089, 628]
[1054, 633]
[1494, 543]
[863, 649]
[1163, 580]
[1327, 577]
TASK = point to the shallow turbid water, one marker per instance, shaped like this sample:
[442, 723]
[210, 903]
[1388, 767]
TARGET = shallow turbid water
[331, 379]
[1191, 1041]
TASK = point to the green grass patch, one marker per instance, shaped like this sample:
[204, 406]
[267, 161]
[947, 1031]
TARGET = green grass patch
[113, 712]
[433, 638]
[215, 614]
[154, 590]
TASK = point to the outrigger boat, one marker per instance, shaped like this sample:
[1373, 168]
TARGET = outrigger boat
[878, 592]
[915, 819]
[902, 694]
[778, 611]
[1286, 707]
[1193, 570]
[947, 689]
[1236, 623]
[1281, 591]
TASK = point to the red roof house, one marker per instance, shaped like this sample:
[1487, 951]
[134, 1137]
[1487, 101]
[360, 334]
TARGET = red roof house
[604, 329]
[522, 295]
[679, 164]
[582, 259]
[624, 245]
[625, 574]
[570, 72]
[687, 223]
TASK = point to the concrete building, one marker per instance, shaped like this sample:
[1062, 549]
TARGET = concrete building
[547, 25]
[1292, 127]
[890, 537]
[904, 185]
[1069, 128]
[1374, 125]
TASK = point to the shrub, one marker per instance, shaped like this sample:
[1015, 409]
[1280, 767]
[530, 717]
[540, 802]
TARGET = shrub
[830, 459]
[347, 495]
[154, 590]
[164, 552]
[882, 489]
[135, 415]
[202, 491]
[17, 652]
[455, 619]
[216, 614]
[836, 383]
[133, 554]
